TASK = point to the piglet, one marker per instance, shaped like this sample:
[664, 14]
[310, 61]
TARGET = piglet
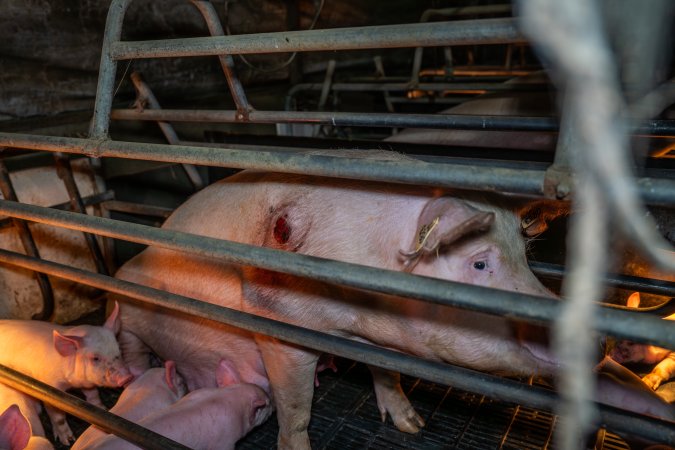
[154, 390]
[207, 418]
[83, 357]
[16, 434]
[630, 352]
[30, 407]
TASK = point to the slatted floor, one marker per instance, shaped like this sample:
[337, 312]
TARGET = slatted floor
[345, 416]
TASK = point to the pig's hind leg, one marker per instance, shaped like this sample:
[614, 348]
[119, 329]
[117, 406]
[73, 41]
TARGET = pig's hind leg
[664, 371]
[392, 400]
[291, 372]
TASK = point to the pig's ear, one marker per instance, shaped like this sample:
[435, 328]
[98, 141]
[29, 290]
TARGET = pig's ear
[260, 410]
[113, 321]
[14, 429]
[227, 374]
[535, 216]
[443, 221]
[67, 345]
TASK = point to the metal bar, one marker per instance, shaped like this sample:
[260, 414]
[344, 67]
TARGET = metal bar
[145, 93]
[29, 246]
[655, 127]
[137, 208]
[460, 378]
[468, 86]
[227, 63]
[107, 69]
[654, 191]
[648, 285]
[479, 298]
[465, 32]
[103, 419]
[65, 172]
[409, 172]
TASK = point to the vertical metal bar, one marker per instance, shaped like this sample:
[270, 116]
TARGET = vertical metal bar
[29, 246]
[379, 68]
[216, 29]
[107, 70]
[145, 93]
[65, 172]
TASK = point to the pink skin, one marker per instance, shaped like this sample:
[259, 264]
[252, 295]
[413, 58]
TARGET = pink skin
[81, 357]
[631, 352]
[154, 390]
[208, 418]
[16, 434]
[367, 223]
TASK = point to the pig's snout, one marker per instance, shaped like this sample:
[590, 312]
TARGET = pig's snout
[119, 377]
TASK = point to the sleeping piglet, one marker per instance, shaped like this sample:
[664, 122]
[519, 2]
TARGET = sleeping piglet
[15, 432]
[156, 389]
[208, 418]
[83, 357]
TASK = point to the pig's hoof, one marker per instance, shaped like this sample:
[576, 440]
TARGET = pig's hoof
[65, 435]
[409, 421]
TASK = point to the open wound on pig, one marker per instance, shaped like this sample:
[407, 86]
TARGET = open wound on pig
[442, 222]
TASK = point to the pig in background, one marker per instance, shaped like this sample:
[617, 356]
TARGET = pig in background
[154, 390]
[19, 291]
[16, 434]
[460, 237]
[207, 418]
[81, 357]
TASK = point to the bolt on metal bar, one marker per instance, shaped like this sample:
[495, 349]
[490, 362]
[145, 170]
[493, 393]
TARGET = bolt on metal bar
[479, 298]
[465, 32]
[144, 93]
[648, 285]
[385, 120]
[65, 172]
[107, 69]
[227, 63]
[29, 247]
[126, 429]
[458, 377]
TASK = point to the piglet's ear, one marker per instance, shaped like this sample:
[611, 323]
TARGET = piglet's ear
[113, 321]
[227, 374]
[14, 429]
[67, 345]
[170, 375]
[634, 300]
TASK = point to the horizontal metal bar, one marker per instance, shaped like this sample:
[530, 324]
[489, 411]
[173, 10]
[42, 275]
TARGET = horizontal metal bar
[467, 86]
[465, 32]
[441, 121]
[138, 208]
[479, 298]
[647, 285]
[388, 120]
[70, 404]
[458, 377]
[655, 191]
[293, 161]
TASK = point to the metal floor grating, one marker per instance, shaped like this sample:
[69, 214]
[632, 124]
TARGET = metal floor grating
[345, 416]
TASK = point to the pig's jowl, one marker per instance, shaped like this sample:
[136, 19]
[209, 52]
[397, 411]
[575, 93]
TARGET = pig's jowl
[442, 235]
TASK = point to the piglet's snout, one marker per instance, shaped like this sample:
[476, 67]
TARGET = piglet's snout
[119, 376]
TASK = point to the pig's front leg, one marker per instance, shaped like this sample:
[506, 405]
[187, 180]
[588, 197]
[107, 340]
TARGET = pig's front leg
[291, 372]
[92, 397]
[60, 427]
[665, 370]
[392, 400]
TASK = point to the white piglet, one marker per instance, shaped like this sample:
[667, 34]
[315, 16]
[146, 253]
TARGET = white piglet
[82, 357]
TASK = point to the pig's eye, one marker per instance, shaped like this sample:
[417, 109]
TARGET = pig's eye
[96, 359]
[480, 265]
